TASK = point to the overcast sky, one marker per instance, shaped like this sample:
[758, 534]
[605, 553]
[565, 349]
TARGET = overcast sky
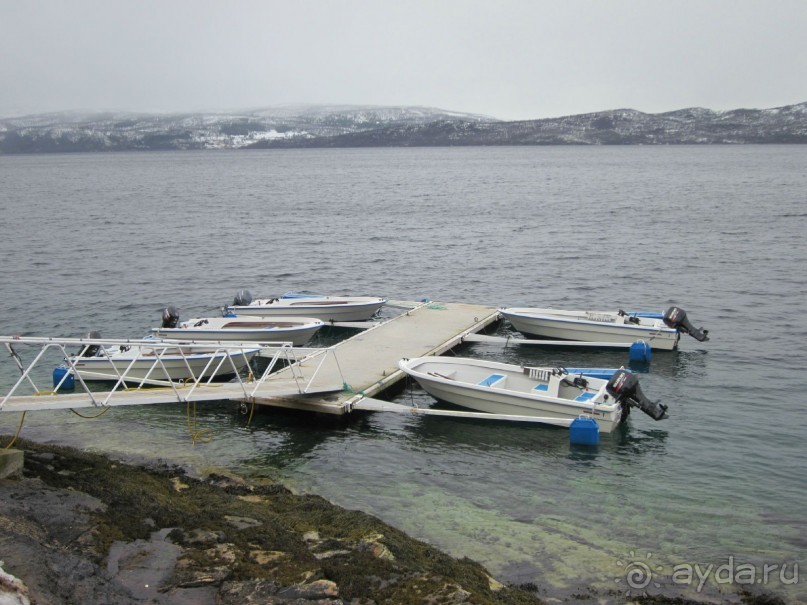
[509, 59]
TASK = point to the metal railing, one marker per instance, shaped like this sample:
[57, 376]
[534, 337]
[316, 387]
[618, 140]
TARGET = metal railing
[184, 369]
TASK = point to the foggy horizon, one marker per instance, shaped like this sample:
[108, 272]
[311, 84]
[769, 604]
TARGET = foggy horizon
[509, 60]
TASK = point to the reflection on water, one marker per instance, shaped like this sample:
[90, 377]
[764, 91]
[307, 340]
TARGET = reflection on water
[295, 437]
[514, 438]
[633, 442]
[685, 363]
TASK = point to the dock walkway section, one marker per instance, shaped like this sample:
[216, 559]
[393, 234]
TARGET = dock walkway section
[367, 363]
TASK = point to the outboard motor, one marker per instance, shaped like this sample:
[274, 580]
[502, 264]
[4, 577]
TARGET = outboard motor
[624, 387]
[676, 318]
[170, 317]
[243, 298]
[91, 350]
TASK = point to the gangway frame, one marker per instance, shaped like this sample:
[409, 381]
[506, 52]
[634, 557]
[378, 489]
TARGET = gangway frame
[196, 388]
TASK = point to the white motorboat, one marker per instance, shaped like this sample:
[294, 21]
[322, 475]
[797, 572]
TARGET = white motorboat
[550, 393]
[156, 361]
[661, 330]
[232, 328]
[325, 308]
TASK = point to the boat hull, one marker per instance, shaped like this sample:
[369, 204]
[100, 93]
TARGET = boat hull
[295, 330]
[579, 326]
[324, 308]
[440, 378]
[141, 363]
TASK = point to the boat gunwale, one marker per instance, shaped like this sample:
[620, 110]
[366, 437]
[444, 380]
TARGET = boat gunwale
[112, 357]
[313, 302]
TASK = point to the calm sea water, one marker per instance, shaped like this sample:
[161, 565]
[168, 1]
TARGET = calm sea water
[106, 241]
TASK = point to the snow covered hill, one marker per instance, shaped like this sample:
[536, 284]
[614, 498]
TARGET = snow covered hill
[77, 131]
[373, 126]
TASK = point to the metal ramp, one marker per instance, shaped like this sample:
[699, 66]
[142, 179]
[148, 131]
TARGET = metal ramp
[155, 387]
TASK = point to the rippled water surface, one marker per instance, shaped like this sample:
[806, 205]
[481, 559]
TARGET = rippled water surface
[104, 242]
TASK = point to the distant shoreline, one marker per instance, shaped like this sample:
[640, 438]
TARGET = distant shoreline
[370, 127]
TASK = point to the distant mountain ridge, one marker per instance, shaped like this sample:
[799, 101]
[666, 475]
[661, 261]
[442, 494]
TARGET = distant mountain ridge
[379, 126]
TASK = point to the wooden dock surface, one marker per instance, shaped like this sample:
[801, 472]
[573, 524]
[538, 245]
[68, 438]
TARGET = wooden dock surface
[367, 363]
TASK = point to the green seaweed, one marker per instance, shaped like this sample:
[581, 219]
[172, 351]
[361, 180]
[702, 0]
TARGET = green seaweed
[306, 537]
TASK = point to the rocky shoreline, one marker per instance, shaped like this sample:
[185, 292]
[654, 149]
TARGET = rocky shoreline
[80, 528]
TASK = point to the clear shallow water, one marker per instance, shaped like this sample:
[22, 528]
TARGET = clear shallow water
[106, 241]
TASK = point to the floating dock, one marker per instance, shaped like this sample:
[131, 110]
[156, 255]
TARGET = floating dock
[329, 380]
[367, 363]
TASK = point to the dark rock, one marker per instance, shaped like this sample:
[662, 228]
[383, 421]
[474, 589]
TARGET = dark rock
[318, 589]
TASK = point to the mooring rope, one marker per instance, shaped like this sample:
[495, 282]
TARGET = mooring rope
[346, 387]
[17, 434]
[251, 410]
[101, 413]
[196, 433]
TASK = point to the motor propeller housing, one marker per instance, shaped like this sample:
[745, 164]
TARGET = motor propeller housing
[676, 318]
[624, 387]
[243, 298]
[92, 350]
[170, 317]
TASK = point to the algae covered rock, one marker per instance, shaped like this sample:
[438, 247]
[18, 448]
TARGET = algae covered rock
[156, 534]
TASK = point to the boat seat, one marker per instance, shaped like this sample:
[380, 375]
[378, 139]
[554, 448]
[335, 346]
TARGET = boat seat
[491, 380]
[553, 388]
[586, 396]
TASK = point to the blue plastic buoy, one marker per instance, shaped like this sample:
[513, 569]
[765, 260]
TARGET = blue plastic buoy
[639, 352]
[69, 380]
[584, 431]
